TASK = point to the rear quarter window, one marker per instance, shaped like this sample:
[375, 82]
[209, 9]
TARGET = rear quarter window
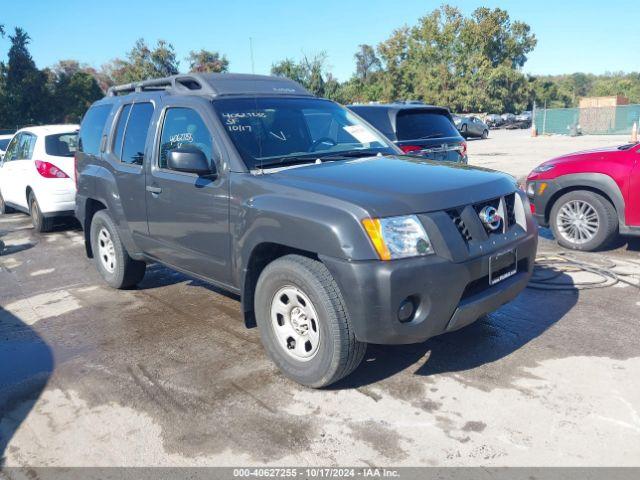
[61, 144]
[416, 124]
[91, 129]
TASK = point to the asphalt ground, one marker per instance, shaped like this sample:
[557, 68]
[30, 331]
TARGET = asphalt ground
[167, 374]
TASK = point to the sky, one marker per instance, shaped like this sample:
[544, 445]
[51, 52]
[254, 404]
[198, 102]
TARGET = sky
[590, 36]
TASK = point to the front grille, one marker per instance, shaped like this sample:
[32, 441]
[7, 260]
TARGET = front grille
[467, 218]
[454, 214]
[510, 206]
[495, 203]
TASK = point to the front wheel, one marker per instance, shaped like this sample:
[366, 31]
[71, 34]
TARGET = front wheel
[485, 134]
[303, 322]
[583, 220]
[113, 262]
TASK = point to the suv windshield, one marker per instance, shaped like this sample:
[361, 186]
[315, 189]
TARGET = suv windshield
[417, 124]
[266, 131]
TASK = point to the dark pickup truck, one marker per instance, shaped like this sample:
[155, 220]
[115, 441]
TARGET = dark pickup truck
[332, 236]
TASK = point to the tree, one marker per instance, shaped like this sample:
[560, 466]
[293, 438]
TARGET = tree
[144, 63]
[367, 62]
[311, 72]
[24, 97]
[466, 63]
[202, 61]
[74, 88]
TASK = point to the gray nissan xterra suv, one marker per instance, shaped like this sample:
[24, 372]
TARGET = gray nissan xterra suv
[332, 236]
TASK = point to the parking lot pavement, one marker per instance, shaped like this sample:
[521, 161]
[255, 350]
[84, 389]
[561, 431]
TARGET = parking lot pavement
[517, 153]
[167, 374]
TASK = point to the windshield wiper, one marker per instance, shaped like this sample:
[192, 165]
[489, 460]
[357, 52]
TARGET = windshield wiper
[293, 160]
[350, 154]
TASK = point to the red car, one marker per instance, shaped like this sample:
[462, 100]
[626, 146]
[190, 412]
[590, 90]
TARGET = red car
[587, 198]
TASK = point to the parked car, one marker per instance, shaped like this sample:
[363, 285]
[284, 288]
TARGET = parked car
[587, 198]
[37, 174]
[471, 126]
[493, 120]
[508, 118]
[523, 119]
[4, 142]
[417, 129]
[330, 235]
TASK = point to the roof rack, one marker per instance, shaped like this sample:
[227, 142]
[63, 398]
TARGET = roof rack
[176, 82]
[214, 84]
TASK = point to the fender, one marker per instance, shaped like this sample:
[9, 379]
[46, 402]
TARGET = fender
[598, 181]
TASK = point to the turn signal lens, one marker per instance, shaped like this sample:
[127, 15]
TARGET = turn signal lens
[541, 188]
[410, 148]
[374, 230]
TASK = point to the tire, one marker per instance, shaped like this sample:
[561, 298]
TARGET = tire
[335, 352]
[113, 262]
[463, 131]
[41, 224]
[603, 226]
[485, 134]
[4, 209]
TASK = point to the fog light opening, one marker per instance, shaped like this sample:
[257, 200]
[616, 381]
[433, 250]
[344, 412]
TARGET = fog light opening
[407, 310]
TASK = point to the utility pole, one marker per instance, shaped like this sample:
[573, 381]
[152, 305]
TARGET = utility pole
[253, 69]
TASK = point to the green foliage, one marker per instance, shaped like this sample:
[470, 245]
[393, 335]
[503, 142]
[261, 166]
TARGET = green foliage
[23, 96]
[143, 63]
[74, 88]
[207, 61]
[311, 72]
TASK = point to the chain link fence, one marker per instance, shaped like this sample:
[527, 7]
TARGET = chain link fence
[588, 121]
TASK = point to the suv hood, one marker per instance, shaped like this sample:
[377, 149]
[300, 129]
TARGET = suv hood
[397, 185]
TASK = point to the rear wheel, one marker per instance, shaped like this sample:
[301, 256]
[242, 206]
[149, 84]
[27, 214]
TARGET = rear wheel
[111, 258]
[583, 220]
[3, 206]
[40, 223]
[485, 133]
[303, 322]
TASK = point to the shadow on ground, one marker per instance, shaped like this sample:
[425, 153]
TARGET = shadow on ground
[490, 338]
[26, 363]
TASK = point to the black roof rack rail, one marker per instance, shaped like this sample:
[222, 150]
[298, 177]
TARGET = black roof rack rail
[176, 82]
[214, 84]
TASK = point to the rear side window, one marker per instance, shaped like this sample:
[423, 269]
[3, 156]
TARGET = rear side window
[416, 124]
[135, 136]
[26, 146]
[122, 124]
[91, 129]
[184, 127]
[61, 144]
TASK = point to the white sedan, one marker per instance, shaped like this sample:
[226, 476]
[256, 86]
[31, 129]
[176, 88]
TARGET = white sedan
[37, 173]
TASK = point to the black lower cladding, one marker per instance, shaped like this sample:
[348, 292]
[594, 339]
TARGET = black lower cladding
[446, 295]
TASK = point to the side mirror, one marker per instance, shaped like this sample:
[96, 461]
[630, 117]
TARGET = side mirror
[191, 160]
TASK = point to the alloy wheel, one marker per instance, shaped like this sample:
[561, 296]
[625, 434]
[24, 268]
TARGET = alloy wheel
[578, 221]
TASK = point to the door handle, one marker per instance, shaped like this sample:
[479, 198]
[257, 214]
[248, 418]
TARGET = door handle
[152, 189]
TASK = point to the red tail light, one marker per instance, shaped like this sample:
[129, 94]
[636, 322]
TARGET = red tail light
[49, 170]
[533, 208]
[410, 148]
[463, 150]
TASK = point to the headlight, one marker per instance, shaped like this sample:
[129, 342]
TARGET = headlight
[531, 189]
[398, 237]
[543, 168]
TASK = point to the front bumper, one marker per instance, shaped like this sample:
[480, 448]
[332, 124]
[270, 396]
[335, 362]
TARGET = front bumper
[447, 295]
[540, 201]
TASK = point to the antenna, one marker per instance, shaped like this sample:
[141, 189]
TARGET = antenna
[253, 70]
